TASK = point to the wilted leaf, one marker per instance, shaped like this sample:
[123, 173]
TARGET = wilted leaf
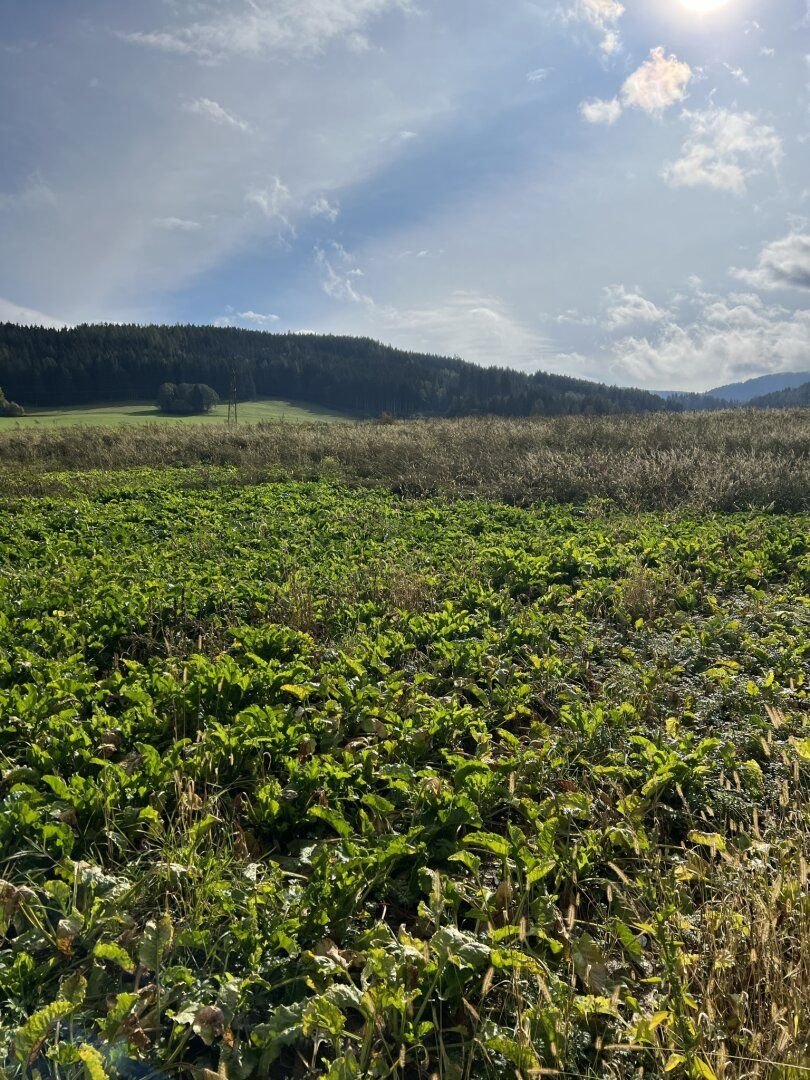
[156, 941]
[460, 948]
[589, 964]
[209, 1023]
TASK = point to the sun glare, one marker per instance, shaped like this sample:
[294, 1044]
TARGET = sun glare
[703, 7]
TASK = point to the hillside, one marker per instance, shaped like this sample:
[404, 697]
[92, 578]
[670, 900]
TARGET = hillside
[750, 392]
[743, 392]
[99, 364]
[794, 398]
[692, 402]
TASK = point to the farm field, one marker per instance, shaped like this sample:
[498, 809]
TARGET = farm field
[250, 412]
[299, 779]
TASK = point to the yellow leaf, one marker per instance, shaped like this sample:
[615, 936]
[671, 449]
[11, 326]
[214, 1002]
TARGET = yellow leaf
[710, 840]
[93, 1063]
[704, 1070]
[300, 692]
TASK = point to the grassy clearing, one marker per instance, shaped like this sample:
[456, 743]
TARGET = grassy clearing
[139, 413]
[300, 780]
[720, 461]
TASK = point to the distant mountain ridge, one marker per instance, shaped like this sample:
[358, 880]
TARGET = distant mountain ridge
[758, 387]
[750, 392]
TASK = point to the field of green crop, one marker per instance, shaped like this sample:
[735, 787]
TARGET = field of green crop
[299, 780]
[250, 412]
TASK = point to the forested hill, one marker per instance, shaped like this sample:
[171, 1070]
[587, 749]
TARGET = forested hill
[795, 397]
[106, 363]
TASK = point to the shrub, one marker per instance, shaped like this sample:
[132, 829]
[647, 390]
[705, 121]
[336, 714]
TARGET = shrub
[10, 408]
[186, 399]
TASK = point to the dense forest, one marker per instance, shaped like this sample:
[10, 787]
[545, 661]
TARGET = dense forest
[110, 363]
[792, 398]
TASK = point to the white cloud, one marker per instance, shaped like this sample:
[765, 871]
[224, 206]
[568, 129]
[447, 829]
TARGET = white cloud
[603, 15]
[658, 84]
[783, 264]
[176, 224]
[724, 150]
[14, 313]
[475, 326]
[322, 207]
[732, 339]
[255, 318]
[263, 27]
[478, 327]
[339, 274]
[273, 201]
[743, 311]
[574, 317]
[737, 73]
[215, 112]
[597, 111]
[538, 75]
[624, 308]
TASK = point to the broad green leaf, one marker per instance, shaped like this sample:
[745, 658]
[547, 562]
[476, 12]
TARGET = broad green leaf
[321, 1014]
[156, 941]
[74, 989]
[331, 817]
[117, 1014]
[30, 1037]
[488, 842]
[115, 954]
[378, 803]
[519, 1054]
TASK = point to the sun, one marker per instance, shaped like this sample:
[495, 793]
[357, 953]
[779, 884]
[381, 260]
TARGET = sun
[703, 7]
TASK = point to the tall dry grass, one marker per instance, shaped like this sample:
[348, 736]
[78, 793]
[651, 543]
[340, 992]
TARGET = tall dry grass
[721, 461]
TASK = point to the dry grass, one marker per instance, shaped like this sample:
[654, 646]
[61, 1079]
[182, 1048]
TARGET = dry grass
[721, 461]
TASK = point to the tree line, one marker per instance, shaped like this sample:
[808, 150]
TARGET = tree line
[98, 364]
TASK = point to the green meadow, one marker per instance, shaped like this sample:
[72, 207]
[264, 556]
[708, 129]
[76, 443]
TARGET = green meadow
[250, 412]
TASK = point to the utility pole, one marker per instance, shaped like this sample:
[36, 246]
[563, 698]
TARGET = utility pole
[233, 396]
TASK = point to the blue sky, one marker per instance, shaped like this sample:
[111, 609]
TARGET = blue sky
[615, 190]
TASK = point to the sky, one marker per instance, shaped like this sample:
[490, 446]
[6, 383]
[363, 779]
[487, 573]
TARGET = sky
[613, 189]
